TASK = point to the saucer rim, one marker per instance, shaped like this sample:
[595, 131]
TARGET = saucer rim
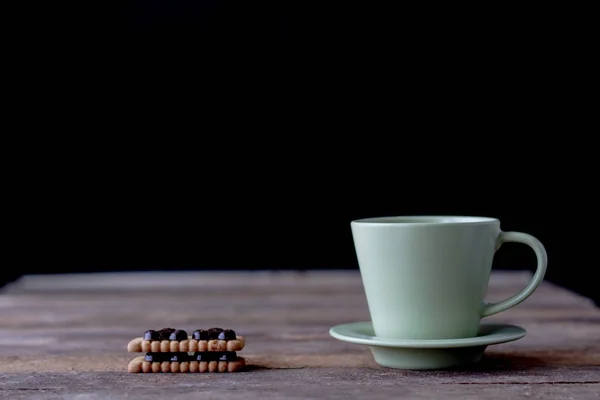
[502, 333]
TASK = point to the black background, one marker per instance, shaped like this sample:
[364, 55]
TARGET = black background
[230, 135]
[288, 215]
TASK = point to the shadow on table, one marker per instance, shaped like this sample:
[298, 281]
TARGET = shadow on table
[508, 362]
[555, 358]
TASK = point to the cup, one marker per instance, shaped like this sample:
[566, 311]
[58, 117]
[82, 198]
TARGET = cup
[426, 277]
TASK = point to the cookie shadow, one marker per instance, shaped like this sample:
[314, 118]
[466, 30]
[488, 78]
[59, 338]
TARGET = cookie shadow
[250, 367]
[255, 367]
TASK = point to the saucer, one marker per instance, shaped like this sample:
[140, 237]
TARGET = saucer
[426, 354]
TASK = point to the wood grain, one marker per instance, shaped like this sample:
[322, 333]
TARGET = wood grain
[67, 335]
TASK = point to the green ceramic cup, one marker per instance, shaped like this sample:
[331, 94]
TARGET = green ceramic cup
[426, 277]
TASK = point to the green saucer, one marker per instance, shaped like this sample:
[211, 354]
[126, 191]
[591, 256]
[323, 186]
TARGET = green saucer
[426, 354]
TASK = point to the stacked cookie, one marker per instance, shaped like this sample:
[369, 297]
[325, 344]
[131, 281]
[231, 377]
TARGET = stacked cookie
[172, 350]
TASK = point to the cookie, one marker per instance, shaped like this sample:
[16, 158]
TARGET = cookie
[177, 340]
[184, 362]
[173, 350]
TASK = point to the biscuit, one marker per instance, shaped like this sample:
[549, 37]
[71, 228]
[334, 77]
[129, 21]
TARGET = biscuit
[173, 350]
[185, 364]
[176, 340]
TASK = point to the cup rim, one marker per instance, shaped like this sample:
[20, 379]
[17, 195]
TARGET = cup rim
[425, 220]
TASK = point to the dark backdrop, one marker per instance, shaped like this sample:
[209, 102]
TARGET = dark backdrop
[230, 135]
[287, 215]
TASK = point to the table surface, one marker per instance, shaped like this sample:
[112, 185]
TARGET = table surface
[65, 336]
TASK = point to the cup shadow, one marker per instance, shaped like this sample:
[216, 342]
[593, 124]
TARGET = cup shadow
[504, 363]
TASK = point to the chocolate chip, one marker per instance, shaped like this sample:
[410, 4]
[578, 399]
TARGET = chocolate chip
[227, 334]
[164, 333]
[202, 356]
[213, 333]
[178, 335]
[200, 334]
[150, 334]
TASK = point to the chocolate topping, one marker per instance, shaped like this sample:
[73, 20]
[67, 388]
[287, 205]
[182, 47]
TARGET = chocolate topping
[215, 356]
[198, 334]
[197, 356]
[161, 357]
[178, 335]
[227, 356]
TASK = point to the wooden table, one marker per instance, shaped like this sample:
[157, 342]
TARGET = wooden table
[65, 337]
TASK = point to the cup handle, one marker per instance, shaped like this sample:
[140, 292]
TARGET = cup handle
[538, 277]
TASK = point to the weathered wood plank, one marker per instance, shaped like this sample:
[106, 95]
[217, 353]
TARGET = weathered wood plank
[67, 335]
[309, 383]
